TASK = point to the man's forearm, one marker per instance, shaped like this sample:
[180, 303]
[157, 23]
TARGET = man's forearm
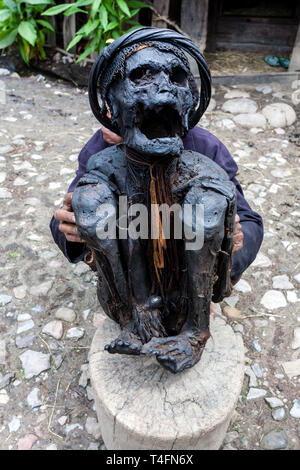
[253, 236]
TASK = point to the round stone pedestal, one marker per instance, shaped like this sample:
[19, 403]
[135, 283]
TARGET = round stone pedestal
[140, 405]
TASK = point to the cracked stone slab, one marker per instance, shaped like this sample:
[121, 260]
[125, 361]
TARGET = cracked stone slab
[140, 405]
[34, 362]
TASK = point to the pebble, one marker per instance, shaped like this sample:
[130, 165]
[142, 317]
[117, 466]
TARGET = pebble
[281, 173]
[230, 437]
[83, 381]
[292, 368]
[2, 351]
[242, 286]
[279, 114]
[296, 339]
[278, 414]
[233, 313]
[238, 328]
[4, 72]
[274, 440]
[265, 89]
[261, 261]
[25, 341]
[236, 94]
[92, 427]
[255, 393]
[65, 314]
[5, 194]
[54, 329]
[295, 410]
[33, 398]
[297, 278]
[6, 149]
[232, 300]
[4, 398]
[14, 424]
[25, 326]
[273, 299]
[75, 333]
[93, 446]
[251, 120]
[5, 299]
[279, 376]
[20, 181]
[23, 317]
[227, 123]
[2, 176]
[54, 185]
[41, 289]
[240, 106]
[292, 296]
[4, 381]
[252, 377]
[257, 370]
[20, 292]
[34, 363]
[26, 442]
[256, 346]
[90, 393]
[274, 188]
[49, 254]
[62, 420]
[51, 447]
[81, 268]
[274, 402]
[282, 282]
[58, 360]
[71, 427]
[261, 323]
[256, 130]
[86, 313]
[212, 105]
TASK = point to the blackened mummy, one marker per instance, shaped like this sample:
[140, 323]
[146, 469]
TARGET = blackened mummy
[159, 289]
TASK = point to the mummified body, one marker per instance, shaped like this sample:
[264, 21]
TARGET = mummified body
[157, 290]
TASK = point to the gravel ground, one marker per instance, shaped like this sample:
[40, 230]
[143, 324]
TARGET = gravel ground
[49, 309]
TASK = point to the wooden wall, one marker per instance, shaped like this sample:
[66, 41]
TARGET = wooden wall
[250, 34]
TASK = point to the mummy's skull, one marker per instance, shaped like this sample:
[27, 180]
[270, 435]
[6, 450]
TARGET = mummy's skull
[152, 103]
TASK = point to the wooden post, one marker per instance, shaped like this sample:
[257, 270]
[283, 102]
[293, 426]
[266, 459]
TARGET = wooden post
[69, 30]
[295, 58]
[162, 6]
[194, 15]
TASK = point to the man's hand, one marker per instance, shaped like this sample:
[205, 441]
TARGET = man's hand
[238, 235]
[110, 137]
[67, 220]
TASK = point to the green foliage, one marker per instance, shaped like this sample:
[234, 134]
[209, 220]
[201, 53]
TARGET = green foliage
[21, 22]
[106, 21]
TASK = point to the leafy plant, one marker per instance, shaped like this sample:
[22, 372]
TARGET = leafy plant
[21, 22]
[106, 20]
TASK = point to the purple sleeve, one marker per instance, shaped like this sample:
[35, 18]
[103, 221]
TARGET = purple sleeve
[206, 143]
[75, 252]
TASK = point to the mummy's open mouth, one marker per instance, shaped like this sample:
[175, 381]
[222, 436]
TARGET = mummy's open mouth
[160, 122]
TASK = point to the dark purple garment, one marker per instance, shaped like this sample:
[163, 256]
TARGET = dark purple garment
[199, 140]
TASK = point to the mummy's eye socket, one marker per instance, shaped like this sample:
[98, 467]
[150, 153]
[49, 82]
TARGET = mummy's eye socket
[140, 74]
[178, 76]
